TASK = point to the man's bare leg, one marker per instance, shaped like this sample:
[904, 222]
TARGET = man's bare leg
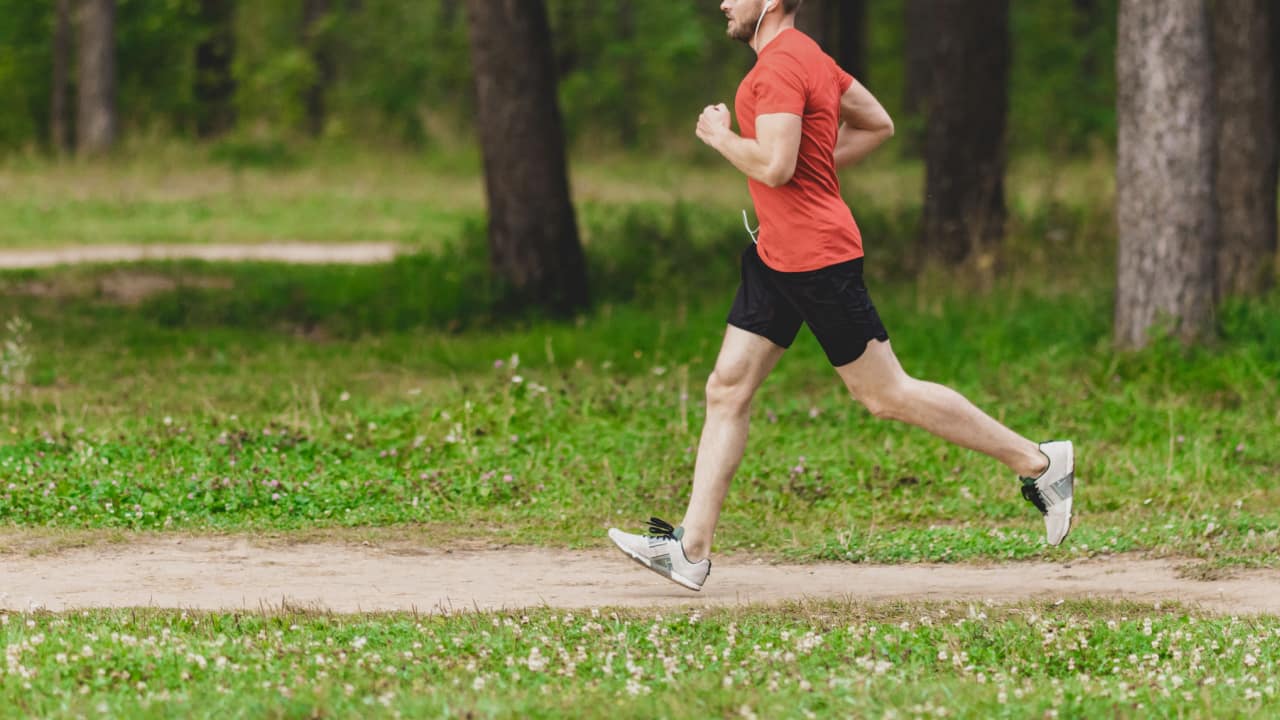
[878, 381]
[745, 361]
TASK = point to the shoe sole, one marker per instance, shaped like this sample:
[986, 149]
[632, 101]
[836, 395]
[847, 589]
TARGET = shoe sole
[644, 562]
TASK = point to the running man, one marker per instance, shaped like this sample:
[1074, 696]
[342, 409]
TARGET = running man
[801, 118]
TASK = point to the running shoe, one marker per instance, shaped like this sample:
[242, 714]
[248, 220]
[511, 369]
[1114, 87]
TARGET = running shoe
[662, 552]
[1051, 492]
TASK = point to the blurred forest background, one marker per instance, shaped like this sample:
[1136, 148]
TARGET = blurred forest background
[1174, 101]
[1075, 226]
[630, 73]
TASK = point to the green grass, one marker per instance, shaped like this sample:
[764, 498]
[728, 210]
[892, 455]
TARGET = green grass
[263, 405]
[251, 397]
[156, 193]
[1072, 659]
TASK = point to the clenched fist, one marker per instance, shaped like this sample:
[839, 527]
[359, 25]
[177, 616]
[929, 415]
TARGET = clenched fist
[713, 122]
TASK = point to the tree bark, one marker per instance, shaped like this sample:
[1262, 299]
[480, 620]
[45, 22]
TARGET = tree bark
[1245, 84]
[964, 206]
[97, 123]
[59, 127]
[851, 42]
[314, 13]
[215, 86]
[533, 234]
[918, 51]
[1164, 174]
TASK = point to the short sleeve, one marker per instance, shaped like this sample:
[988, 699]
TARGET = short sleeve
[779, 88]
[843, 79]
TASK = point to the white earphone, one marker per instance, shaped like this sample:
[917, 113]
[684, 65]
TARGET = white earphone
[767, 7]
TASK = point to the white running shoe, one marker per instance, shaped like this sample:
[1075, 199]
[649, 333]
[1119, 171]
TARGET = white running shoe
[662, 552]
[1051, 492]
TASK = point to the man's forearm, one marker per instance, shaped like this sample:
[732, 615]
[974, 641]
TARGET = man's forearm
[854, 144]
[748, 156]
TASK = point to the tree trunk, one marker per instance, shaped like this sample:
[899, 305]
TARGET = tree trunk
[964, 138]
[1164, 170]
[1245, 86]
[851, 43]
[215, 86]
[314, 13]
[533, 235]
[59, 129]
[918, 47]
[97, 124]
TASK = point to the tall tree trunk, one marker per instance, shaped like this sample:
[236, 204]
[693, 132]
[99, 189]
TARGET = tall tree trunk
[97, 123]
[314, 13]
[964, 139]
[851, 43]
[1245, 83]
[59, 128]
[215, 86]
[533, 235]
[918, 56]
[1164, 171]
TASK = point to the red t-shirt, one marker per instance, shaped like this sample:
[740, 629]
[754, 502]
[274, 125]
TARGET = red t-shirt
[805, 224]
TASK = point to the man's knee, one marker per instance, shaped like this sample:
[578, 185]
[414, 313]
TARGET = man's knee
[729, 389]
[887, 402]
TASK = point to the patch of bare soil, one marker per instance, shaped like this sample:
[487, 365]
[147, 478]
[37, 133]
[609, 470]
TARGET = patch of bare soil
[227, 573]
[296, 253]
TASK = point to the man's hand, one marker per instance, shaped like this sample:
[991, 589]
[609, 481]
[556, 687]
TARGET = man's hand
[713, 124]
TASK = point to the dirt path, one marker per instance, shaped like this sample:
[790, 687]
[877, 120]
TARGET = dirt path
[297, 253]
[228, 573]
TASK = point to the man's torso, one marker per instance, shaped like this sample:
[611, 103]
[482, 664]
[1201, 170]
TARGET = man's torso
[805, 224]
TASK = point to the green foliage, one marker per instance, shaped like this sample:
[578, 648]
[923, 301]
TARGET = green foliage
[403, 70]
[25, 65]
[156, 41]
[1062, 85]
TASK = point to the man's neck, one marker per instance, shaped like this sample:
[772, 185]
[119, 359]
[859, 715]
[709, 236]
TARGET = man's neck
[770, 29]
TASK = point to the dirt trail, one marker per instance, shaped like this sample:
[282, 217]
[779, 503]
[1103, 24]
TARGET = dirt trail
[230, 573]
[296, 253]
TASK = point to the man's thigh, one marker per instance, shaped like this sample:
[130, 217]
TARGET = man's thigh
[875, 370]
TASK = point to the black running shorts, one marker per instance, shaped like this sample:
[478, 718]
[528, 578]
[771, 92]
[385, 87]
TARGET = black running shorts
[832, 301]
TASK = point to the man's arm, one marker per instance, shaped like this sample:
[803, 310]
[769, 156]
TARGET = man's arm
[770, 158]
[865, 125]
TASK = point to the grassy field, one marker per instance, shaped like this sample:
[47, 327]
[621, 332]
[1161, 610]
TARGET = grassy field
[1070, 659]
[397, 401]
[249, 397]
[177, 194]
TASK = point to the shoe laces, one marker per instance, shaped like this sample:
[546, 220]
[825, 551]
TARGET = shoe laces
[1033, 495]
[662, 529]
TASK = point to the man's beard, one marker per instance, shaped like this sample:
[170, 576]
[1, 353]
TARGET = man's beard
[745, 30]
